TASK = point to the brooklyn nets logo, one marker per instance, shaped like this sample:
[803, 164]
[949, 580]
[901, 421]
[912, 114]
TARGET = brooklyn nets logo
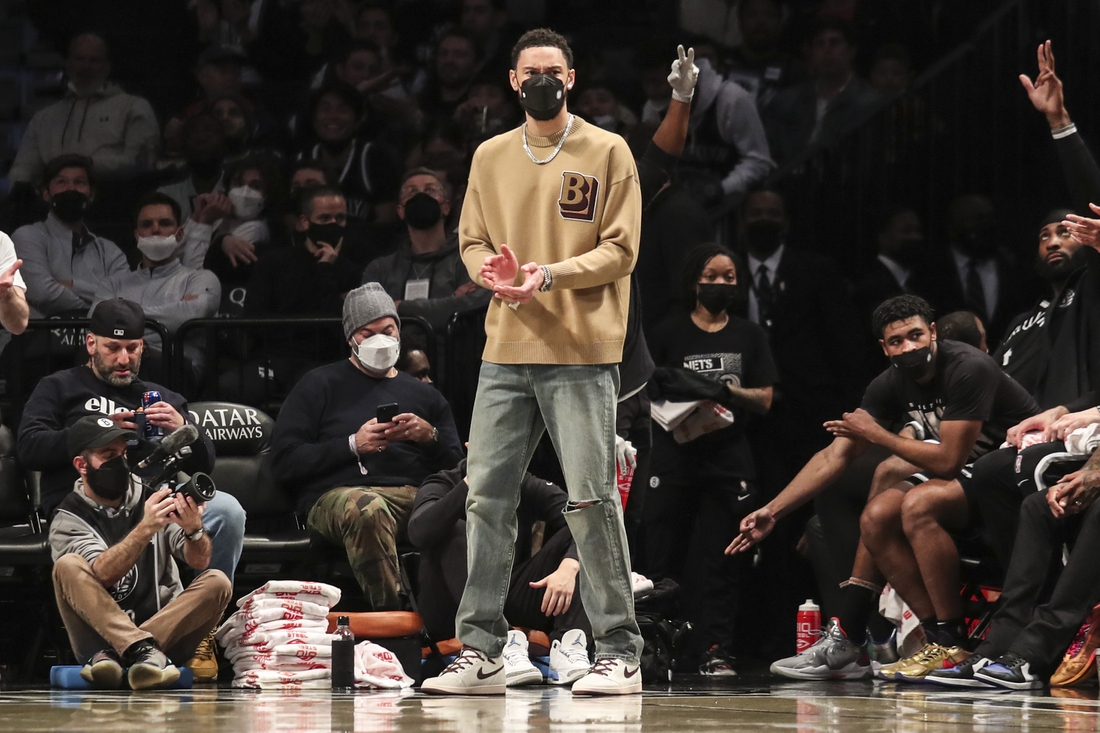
[125, 587]
[579, 194]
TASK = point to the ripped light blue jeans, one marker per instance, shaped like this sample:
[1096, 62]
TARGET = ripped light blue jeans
[515, 404]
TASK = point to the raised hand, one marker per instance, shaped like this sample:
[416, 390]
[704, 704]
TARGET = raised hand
[1045, 92]
[1084, 231]
[684, 75]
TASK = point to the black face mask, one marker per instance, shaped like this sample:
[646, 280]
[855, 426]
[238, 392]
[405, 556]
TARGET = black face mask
[763, 236]
[913, 364]
[330, 233]
[542, 96]
[69, 206]
[422, 211]
[111, 480]
[716, 297]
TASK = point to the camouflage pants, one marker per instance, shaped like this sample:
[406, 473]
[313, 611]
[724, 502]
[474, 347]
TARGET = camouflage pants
[369, 521]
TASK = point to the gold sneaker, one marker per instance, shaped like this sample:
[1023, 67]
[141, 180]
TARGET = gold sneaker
[204, 665]
[1079, 663]
[914, 668]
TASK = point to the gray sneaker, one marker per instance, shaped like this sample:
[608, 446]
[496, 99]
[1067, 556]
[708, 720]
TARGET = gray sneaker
[833, 657]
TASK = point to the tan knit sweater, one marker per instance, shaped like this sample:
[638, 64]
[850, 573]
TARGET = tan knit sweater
[580, 215]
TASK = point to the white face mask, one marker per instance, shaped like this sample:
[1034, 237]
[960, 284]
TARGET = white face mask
[158, 249]
[247, 202]
[378, 353]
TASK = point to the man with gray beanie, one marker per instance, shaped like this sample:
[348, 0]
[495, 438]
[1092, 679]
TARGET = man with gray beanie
[355, 438]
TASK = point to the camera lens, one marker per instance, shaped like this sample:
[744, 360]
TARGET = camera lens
[200, 487]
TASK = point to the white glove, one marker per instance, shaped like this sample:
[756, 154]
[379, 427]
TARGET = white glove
[625, 454]
[684, 75]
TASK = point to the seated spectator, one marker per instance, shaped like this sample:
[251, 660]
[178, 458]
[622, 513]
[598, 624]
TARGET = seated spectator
[542, 589]
[425, 276]
[218, 74]
[901, 250]
[65, 264]
[487, 22]
[115, 547]
[414, 362]
[821, 110]
[954, 396]
[367, 172]
[962, 326]
[892, 70]
[760, 64]
[203, 138]
[456, 65]
[726, 152]
[310, 277]
[487, 111]
[109, 386]
[444, 140]
[238, 123]
[253, 187]
[303, 174]
[702, 488]
[354, 477]
[599, 104]
[14, 311]
[168, 291]
[118, 131]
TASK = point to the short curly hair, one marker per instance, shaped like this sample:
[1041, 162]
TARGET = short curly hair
[540, 38]
[900, 308]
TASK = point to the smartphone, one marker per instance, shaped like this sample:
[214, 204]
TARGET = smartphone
[386, 413]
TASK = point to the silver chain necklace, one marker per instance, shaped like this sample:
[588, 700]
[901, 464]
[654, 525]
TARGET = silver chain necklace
[544, 161]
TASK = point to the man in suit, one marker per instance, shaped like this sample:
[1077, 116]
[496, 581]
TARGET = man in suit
[900, 239]
[819, 111]
[973, 272]
[805, 305]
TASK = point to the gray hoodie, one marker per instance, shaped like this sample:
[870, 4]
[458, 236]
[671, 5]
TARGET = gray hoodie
[111, 127]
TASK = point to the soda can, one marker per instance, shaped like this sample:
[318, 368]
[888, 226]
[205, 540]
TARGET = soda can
[151, 432]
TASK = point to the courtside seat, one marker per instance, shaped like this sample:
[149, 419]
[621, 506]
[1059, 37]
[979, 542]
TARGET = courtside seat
[274, 542]
[399, 631]
[24, 548]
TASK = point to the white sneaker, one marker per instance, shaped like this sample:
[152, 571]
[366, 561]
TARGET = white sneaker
[569, 657]
[610, 676]
[518, 669]
[471, 673]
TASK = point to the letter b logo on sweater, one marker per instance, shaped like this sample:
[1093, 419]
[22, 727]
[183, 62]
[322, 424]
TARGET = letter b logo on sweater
[578, 196]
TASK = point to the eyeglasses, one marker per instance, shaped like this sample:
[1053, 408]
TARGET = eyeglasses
[432, 189]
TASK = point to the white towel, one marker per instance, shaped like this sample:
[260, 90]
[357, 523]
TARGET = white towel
[291, 589]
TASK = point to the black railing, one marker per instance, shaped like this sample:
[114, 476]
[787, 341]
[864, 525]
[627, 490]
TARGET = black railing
[465, 342]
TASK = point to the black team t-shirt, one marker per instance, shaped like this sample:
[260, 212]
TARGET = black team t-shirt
[967, 385]
[737, 355]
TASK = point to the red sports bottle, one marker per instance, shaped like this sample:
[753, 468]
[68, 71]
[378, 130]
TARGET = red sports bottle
[809, 626]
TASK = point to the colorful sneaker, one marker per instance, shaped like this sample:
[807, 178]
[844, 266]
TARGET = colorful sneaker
[103, 671]
[204, 664]
[518, 669]
[718, 663]
[1012, 672]
[914, 668]
[833, 657]
[883, 653]
[1079, 664]
[569, 657]
[610, 676]
[471, 673]
[150, 668]
[962, 674]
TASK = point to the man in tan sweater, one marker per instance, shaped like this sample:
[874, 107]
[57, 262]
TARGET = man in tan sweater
[562, 196]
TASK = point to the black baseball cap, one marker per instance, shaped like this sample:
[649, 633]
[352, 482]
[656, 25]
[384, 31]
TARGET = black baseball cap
[95, 431]
[118, 318]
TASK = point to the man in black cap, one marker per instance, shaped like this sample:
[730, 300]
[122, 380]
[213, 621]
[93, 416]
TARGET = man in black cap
[115, 548]
[109, 386]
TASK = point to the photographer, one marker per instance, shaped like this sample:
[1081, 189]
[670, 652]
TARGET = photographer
[109, 386]
[115, 548]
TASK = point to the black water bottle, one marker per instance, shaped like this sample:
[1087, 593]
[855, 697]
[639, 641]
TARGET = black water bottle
[343, 656]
